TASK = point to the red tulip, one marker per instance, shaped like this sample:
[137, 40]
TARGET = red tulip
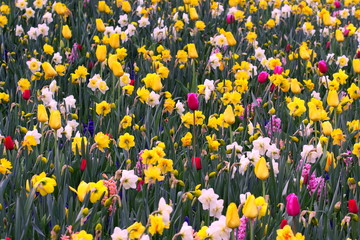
[26, 94]
[288, 48]
[192, 101]
[83, 164]
[283, 223]
[323, 68]
[337, 4]
[278, 70]
[230, 18]
[9, 143]
[358, 54]
[196, 162]
[292, 205]
[139, 185]
[262, 77]
[328, 45]
[352, 206]
[132, 82]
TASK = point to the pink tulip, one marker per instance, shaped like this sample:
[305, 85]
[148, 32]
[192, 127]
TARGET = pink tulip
[262, 77]
[323, 68]
[346, 32]
[230, 18]
[292, 205]
[358, 54]
[278, 70]
[337, 4]
[192, 101]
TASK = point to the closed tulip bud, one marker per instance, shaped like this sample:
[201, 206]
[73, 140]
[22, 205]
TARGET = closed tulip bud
[192, 101]
[295, 86]
[102, 6]
[283, 223]
[196, 162]
[314, 113]
[278, 70]
[232, 216]
[114, 40]
[262, 77]
[101, 53]
[356, 65]
[117, 69]
[332, 98]
[292, 205]
[50, 72]
[353, 207]
[100, 25]
[83, 164]
[339, 35]
[358, 54]
[9, 143]
[250, 210]
[26, 94]
[230, 39]
[230, 19]
[322, 66]
[55, 119]
[66, 32]
[193, 14]
[229, 116]
[126, 7]
[346, 32]
[192, 50]
[42, 115]
[326, 128]
[261, 169]
[337, 4]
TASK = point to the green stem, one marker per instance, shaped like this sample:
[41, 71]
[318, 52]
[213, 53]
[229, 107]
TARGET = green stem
[251, 222]
[232, 234]
[263, 188]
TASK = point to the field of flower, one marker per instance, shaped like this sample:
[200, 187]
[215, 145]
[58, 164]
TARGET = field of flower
[180, 119]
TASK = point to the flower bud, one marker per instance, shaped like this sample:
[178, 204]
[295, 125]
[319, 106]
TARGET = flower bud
[262, 77]
[101, 53]
[196, 162]
[352, 206]
[66, 32]
[292, 205]
[261, 169]
[230, 19]
[55, 119]
[232, 216]
[26, 94]
[42, 115]
[250, 210]
[192, 101]
[322, 66]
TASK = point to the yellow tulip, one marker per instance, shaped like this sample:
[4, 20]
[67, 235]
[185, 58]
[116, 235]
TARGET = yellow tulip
[261, 169]
[262, 206]
[192, 50]
[327, 19]
[326, 128]
[295, 86]
[332, 98]
[111, 60]
[230, 39]
[232, 216]
[117, 69]
[250, 210]
[114, 40]
[229, 116]
[356, 65]
[339, 35]
[100, 25]
[101, 53]
[42, 115]
[193, 14]
[314, 113]
[55, 119]
[66, 32]
[50, 72]
[126, 7]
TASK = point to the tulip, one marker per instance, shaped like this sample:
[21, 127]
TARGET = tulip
[314, 113]
[50, 72]
[83, 164]
[326, 128]
[232, 216]
[192, 50]
[193, 14]
[114, 40]
[295, 86]
[262, 77]
[283, 223]
[358, 54]
[288, 48]
[42, 115]
[261, 169]
[230, 19]
[278, 70]
[327, 45]
[332, 98]
[66, 32]
[126, 7]
[322, 66]
[356, 65]
[100, 25]
[9, 143]
[102, 6]
[230, 39]
[353, 207]
[101, 53]
[292, 205]
[327, 19]
[117, 69]
[55, 119]
[346, 32]
[26, 94]
[337, 4]
[192, 101]
[339, 35]
[111, 60]
[233, 3]
[250, 210]
[196, 162]
[229, 116]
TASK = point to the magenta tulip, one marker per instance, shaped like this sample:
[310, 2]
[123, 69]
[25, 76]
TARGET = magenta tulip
[262, 77]
[278, 70]
[192, 101]
[292, 205]
[230, 18]
[337, 4]
[323, 68]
